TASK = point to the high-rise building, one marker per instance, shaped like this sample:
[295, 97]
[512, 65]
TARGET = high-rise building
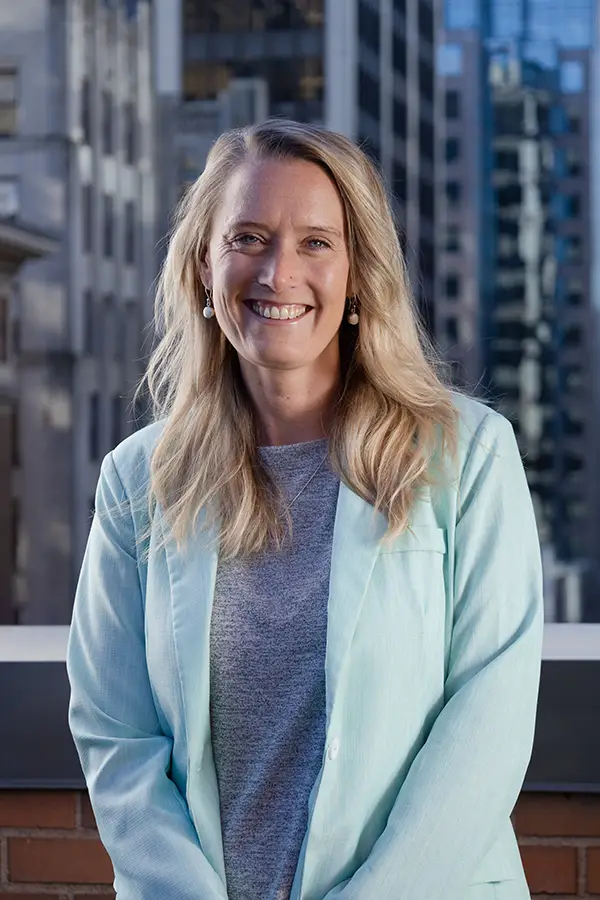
[364, 68]
[515, 301]
[76, 120]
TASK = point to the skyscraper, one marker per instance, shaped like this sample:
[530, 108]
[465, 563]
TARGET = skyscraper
[515, 265]
[76, 120]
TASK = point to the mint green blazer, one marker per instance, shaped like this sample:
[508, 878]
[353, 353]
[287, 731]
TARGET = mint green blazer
[432, 672]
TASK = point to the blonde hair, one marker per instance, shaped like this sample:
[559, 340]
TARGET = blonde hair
[394, 415]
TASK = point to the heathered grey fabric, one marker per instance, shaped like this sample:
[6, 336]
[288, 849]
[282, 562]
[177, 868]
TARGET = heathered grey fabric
[268, 638]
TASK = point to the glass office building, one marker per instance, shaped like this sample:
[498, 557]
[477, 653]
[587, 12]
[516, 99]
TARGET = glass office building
[515, 260]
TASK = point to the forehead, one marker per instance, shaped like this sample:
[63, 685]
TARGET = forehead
[270, 190]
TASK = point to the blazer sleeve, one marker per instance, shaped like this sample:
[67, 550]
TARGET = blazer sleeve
[466, 779]
[143, 821]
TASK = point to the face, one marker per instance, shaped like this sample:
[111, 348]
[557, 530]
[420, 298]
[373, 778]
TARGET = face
[278, 265]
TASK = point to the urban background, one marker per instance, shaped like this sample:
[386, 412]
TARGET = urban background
[482, 116]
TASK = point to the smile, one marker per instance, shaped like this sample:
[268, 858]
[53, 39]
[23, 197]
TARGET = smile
[278, 312]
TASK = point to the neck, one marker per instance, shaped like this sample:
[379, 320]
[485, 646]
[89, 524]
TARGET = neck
[293, 406]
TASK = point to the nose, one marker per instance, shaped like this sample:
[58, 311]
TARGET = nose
[279, 267]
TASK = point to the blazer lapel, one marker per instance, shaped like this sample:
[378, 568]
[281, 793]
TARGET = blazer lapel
[357, 531]
[192, 573]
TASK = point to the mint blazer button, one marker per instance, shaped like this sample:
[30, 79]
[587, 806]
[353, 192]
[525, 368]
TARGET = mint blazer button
[334, 748]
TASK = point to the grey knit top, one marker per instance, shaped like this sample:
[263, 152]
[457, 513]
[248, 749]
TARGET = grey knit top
[267, 667]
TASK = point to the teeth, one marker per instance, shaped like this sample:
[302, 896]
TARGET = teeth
[279, 312]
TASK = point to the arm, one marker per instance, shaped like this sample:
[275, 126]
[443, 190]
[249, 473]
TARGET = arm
[142, 818]
[466, 779]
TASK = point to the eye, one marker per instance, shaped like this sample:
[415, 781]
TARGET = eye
[246, 240]
[319, 244]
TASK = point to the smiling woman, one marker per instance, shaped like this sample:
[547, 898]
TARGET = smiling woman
[309, 620]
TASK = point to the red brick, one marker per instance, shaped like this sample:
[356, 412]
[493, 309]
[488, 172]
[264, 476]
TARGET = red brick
[593, 870]
[37, 809]
[88, 820]
[62, 860]
[557, 815]
[551, 870]
[6, 893]
[110, 895]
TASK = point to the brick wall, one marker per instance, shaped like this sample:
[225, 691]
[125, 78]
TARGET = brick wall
[49, 846]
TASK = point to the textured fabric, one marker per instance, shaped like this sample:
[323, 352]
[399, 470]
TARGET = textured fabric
[268, 637]
[432, 666]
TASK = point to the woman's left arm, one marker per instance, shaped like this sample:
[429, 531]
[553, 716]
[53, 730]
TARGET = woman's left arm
[466, 779]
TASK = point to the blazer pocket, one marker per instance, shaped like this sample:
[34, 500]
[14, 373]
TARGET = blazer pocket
[427, 538]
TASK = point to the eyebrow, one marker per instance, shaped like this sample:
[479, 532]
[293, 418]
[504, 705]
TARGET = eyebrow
[323, 229]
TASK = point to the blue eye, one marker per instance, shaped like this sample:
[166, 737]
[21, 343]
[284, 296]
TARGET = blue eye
[323, 244]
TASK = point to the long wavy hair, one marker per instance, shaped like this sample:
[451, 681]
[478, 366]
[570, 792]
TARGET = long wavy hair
[395, 415]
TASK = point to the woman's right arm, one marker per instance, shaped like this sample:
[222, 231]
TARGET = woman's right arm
[143, 820]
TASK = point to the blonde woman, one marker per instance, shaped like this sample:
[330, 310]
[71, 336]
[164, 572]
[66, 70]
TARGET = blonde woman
[306, 641]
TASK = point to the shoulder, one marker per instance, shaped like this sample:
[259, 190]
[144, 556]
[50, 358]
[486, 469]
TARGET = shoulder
[480, 429]
[131, 458]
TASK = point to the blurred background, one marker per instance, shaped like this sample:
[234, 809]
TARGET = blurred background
[482, 116]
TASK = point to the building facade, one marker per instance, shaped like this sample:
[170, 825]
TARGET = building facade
[76, 147]
[364, 68]
[515, 268]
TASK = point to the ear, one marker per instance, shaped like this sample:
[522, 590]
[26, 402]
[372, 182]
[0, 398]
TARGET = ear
[205, 271]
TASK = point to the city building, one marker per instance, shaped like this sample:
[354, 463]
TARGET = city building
[515, 305]
[76, 150]
[364, 68]
[18, 244]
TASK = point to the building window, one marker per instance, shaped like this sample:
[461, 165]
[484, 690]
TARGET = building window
[107, 123]
[573, 206]
[94, 427]
[399, 53]
[86, 111]
[452, 244]
[426, 199]
[399, 118]
[368, 93]
[426, 86]
[87, 217]
[573, 248]
[452, 287]
[426, 140]
[130, 128]
[452, 104]
[426, 22]
[108, 325]
[368, 26]
[449, 59]
[452, 329]
[452, 150]
[399, 180]
[88, 321]
[8, 102]
[573, 164]
[573, 336]
[108, 226]
[4, 327]
[130, 231]
[572, 77]
[453, 193]
[132, 330]
[116, 433]
[573, 123]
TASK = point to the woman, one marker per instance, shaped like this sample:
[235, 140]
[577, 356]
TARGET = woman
[306, 640]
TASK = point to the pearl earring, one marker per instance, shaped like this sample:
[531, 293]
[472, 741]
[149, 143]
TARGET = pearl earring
[352, 316]
[208, 312]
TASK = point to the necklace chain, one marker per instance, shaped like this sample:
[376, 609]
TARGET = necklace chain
[301, 491]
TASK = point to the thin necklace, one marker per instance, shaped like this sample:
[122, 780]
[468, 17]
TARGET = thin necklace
[305, 486]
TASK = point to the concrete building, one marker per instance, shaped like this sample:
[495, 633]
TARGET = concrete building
[364, 68]
[76, 120]
[18, 244]
[515, 300]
